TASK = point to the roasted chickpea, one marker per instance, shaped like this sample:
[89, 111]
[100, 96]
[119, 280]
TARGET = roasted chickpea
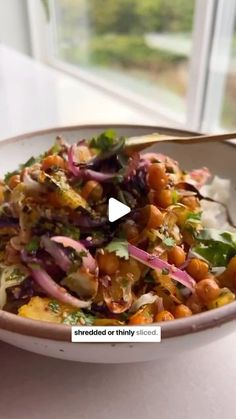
[231, 268]
[207, 290]
[151, 216]
[157, 177]
[131, 232]
[191, 202]
[143, 316]
[131, 267]
[164, 316]
[198, 269]
[14, 181]
[182, 311]
[108, 263]
[176, 256]
[163, 198]
[53, 161]
[92, 191]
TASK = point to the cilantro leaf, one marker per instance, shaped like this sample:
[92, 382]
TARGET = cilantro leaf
[104, 141]
[120, 247]
[169, 241]
[215, 246]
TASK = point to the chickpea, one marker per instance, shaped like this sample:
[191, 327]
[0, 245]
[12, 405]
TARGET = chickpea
[176, 256]
[198, 269]
[143, 316]
[53, 161]
[164, 316]
[163, 198]
[192, 202]
[131, 232]
[231, 268]
[157, 177]
[92, 191]
[152, 216]
[207, 290]
[132, 267]
[14, 181]
[108, 263]
[182, 311]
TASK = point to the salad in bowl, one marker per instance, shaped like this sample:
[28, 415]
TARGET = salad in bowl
[62, 261]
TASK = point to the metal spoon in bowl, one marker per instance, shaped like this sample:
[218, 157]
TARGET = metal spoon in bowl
[140, 143]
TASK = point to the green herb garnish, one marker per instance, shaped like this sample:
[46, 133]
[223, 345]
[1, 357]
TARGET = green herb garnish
[104, 141]
[79, 317]
[214, 246]
[169, 242]
[54, 306]
[120, 247]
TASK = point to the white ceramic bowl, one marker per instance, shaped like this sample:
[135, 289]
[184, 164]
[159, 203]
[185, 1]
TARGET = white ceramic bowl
[179, 335]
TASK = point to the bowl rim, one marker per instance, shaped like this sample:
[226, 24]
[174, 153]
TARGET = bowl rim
[58, 332]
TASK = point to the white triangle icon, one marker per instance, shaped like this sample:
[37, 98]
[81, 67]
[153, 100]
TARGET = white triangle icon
[116, 210]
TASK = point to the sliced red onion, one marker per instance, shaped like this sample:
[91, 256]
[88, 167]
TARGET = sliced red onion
[54, 290]
[85, 174]
[57, 253]
[156, 263]
[133, 165]
[88, 261]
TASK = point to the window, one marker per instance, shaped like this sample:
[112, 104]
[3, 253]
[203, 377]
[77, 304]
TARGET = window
[144, 46]
[177, 58]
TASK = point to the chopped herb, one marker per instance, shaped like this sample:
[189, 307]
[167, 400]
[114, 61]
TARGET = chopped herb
[79, 317]
[165, 271]
[214, 246]
[54, 306]
[33, 245]
[120, 247]
[169, 242]
[70, 231]
[30, 162]
[104, 141]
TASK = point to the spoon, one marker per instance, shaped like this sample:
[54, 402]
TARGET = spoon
[140, 143]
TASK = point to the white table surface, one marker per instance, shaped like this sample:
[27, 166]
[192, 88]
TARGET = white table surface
[196, 385]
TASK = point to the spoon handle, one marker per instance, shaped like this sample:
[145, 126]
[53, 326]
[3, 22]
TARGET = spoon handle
[142, 142]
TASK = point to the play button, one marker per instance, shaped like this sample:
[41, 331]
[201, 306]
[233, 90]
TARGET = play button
[116, 210]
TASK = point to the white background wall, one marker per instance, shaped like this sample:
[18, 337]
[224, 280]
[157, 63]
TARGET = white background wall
[14, 27]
